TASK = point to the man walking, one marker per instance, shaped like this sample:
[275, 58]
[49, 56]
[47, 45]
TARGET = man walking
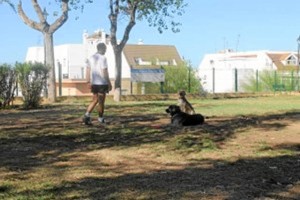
[98, 76]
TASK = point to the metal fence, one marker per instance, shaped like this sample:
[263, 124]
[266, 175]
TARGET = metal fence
[248, 80]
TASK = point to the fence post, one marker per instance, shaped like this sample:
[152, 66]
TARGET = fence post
[162, 83]
[213, 79]
[256, 80]
[298, 79]
[189, 79]
[275, 79]
[292, 81]
[59, 79]
[235, 80]
[161, 87]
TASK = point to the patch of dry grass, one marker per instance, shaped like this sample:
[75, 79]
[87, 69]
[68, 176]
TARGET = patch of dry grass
[49, 154]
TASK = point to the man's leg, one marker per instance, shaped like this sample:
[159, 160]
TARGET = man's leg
[90, 108]
[92, 105]
[101, 101]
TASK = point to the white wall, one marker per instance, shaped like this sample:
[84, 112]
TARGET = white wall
[72, 58]
[224, 65]
[35, 54]
[225, 80]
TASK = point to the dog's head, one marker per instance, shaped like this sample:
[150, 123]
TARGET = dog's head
[173, 109]
[182, 93]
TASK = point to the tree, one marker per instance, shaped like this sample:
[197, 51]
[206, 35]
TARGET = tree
[181, 78]
[47, 30]
[9, 3]
[155, 12]
[32, 78]
[8, 84]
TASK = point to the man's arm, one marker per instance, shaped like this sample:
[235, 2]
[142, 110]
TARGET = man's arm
[106, 76]
[88, 74]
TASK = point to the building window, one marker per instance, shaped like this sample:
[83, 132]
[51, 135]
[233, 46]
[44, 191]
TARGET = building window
[165, 63]
[139, 61]
[174, 62]
[291, 61]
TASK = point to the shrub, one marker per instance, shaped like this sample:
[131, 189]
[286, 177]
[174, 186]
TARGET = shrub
[176, 78]
[32, 79]
[8, 85]
[270, 81]
[181, 78]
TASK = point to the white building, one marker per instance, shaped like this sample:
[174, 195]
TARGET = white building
[225, 71]
[73, 57]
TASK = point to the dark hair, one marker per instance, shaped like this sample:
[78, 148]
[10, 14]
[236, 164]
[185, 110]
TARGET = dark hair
[101, 46]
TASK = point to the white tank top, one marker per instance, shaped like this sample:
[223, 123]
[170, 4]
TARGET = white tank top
[98, 63]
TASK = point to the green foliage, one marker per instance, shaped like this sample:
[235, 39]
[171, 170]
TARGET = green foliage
[32, 79]
[191, 142]
[176, 78]
[53, 7]
[181, 78]
[159, 14]
[261, 82]
[271, 81]
[7, 85]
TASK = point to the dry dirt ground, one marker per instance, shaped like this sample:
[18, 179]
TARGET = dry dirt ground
[49, 152]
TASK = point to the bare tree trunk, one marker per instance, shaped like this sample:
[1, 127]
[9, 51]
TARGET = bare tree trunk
[118, 77]
[118, 48]
[49, 61]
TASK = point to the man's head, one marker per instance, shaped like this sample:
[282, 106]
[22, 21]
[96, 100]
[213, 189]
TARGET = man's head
[101, 48]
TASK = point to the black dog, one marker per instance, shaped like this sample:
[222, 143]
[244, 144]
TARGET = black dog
[180, 118]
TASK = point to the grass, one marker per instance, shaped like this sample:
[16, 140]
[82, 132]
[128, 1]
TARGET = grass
[247, 106]
[49, 154]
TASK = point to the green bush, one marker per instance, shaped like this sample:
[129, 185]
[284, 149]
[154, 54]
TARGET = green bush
[32, 79]
[261, 82]
[271, 81]
[176, 78]
[8, 85]
[181, 78]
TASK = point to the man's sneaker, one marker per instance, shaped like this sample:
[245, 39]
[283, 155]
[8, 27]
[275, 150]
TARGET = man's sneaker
[101, 120]
[87, 120]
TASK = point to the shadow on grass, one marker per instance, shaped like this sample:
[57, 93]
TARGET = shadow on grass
[25, 138]
[264, 178]
[39, 138]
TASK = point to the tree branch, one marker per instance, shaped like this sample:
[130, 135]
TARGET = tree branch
[38, 11]
[113, 21]
[63, 18]
[26, 20]
[132, 8]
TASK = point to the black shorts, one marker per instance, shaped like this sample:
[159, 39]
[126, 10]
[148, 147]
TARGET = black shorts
[99, 89]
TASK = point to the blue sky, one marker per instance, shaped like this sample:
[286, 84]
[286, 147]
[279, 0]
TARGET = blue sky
[207, 27]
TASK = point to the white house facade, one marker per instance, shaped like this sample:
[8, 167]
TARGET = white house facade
[222, 72]
[73, 57]
[137, 60]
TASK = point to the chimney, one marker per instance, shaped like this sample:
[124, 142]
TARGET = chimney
[140, 42]
[84, 36]
[103, 36]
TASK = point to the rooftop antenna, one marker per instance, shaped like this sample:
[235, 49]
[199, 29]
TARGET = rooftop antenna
[224, 40]
[237, 42]
[39, 40]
